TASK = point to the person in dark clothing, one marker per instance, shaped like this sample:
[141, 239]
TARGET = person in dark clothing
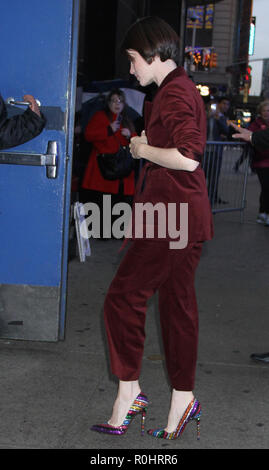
[217, 125]
[259, 140]
[217, 131]
[260, 162]
[18, 129]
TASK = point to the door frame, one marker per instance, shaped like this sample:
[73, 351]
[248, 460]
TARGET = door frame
[69, 157]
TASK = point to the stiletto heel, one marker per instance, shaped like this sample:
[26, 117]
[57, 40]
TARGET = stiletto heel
[139, 405]
[197, 418]
[193, 411]
[143, 420]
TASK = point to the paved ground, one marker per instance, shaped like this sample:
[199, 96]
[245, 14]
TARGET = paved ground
[51, 393]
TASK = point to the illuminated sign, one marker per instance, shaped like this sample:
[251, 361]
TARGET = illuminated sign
[201, 58]
[252, 35]
[200, 16]
[203, 89]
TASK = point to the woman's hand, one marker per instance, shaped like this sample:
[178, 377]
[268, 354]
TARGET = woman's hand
[126, 132]
[115, 125]
[135, 145]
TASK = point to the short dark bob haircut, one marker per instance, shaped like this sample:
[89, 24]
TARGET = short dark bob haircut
[152, 36]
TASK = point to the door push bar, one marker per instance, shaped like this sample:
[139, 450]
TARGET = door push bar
[49, 159]
[14, 102]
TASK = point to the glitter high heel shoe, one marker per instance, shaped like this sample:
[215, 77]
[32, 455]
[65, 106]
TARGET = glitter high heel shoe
[139, 405]
[193, 411]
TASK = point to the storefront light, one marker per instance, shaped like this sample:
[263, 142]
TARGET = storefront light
[203, 89]
[252, 36]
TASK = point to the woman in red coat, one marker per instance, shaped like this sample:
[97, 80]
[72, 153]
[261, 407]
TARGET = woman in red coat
[107, 130]
[260, 162]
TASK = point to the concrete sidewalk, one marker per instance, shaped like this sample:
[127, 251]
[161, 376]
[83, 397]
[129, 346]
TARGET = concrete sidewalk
[51, 393]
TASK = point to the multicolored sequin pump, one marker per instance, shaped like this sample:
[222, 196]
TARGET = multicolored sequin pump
[139, 405]
[193, 411]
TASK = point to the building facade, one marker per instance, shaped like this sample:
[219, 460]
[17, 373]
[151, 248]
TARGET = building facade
[224, 37]
[229, 41]
[259, 54]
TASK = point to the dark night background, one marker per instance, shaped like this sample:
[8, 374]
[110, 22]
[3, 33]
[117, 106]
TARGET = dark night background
[103, 25]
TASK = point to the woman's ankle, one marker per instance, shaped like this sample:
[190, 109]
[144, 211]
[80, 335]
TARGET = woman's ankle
[182, 396]
[179, 402]
[128, 389]
[127, 392]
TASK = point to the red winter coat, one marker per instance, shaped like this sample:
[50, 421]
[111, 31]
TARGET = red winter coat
[100, 134]
[260, 155]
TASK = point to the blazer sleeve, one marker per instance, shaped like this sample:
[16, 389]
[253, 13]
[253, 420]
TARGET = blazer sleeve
[20, 128]
[185, 121]
[261, 139]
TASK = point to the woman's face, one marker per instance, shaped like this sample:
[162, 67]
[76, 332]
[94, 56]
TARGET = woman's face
[265, 113]
[140, 68]
[116, 104]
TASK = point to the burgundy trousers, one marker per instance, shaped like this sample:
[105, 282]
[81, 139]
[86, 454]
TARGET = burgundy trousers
[147, 267]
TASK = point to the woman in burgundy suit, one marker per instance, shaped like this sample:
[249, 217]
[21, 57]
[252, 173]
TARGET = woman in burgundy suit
[173, 144]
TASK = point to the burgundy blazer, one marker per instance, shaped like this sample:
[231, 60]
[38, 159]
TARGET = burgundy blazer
[176, 119]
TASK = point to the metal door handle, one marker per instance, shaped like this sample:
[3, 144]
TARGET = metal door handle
[14, 102]
[49, 159]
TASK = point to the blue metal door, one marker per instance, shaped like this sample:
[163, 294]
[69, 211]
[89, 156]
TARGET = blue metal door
[38, 56]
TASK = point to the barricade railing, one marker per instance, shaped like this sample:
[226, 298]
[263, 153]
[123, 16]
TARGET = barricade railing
[226, 167]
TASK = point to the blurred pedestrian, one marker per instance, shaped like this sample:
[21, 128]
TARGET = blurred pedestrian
[217, 131]
[217, 120]
[259, 139]
[260, 162]
[173, 145]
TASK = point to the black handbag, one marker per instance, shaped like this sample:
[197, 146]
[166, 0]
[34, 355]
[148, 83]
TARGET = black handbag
[117, 165]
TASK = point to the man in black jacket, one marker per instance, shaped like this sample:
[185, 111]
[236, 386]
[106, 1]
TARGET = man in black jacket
[257, 139]
[217, 131]
[20, 128]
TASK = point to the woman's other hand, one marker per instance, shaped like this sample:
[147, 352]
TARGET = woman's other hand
[135, 145]
[144, 138]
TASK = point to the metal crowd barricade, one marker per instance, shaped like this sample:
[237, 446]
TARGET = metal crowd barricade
[226, 167]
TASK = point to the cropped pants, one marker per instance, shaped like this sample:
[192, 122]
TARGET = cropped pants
[147, 267]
